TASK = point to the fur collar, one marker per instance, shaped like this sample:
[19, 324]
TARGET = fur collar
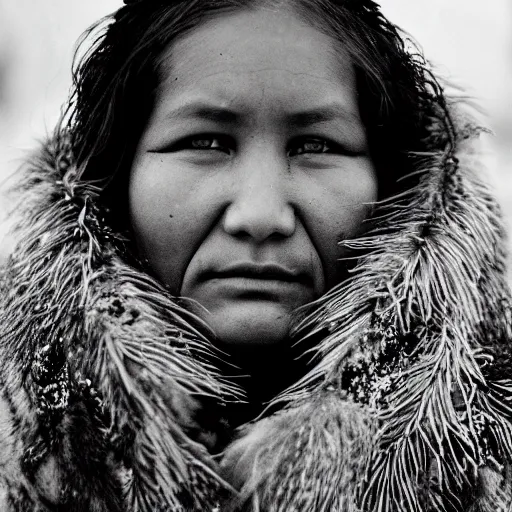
[407, 406]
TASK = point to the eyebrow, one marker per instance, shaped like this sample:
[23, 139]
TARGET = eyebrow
[331, 112]
[221, 115]
[205, 112]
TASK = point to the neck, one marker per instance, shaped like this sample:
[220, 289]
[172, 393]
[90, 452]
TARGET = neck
[263, 373]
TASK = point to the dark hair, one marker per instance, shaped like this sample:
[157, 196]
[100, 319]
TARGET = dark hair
[115, 82]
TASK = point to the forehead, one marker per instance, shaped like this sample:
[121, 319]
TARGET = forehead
[252, 53]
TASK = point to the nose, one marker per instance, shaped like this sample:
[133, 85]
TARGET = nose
[260, 207]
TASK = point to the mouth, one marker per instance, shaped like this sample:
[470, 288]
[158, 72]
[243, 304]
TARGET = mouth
[269, 272]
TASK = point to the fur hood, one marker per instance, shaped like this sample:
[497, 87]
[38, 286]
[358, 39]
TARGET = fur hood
[407, 405]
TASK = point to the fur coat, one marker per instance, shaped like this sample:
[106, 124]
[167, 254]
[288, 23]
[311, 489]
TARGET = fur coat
[406, 405]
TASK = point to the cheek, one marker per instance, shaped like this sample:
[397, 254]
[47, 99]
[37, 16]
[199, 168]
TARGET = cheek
[167, 222]
[344, 200]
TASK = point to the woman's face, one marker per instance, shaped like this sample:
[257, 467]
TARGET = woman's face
[253, 166]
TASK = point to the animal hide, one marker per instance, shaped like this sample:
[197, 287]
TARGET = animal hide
[406, 406]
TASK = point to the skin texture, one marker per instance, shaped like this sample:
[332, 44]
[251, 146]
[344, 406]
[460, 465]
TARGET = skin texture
[254, 155]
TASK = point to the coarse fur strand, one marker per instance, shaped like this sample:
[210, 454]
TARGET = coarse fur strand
[407, 406]
[102, 387]
[417, 336]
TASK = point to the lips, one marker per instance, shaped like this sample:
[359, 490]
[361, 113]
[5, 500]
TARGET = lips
[265, 272]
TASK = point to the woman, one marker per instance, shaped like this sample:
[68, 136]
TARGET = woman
[256, 271]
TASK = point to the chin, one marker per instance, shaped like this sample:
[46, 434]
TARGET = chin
[250, 326]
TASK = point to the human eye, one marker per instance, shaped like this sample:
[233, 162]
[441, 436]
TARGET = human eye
[200, 142]
[204, 142]
[314, 145]
[310, 145]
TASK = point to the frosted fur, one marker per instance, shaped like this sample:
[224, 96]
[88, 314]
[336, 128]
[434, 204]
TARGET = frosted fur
[106, 354]
[407, 406]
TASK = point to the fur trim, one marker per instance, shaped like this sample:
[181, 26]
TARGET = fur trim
[307, 457]
[417, 337]
[407, 407]
[106, 353]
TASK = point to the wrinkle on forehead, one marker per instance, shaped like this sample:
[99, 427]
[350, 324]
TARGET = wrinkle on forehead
[239, 53]
[250, 61]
